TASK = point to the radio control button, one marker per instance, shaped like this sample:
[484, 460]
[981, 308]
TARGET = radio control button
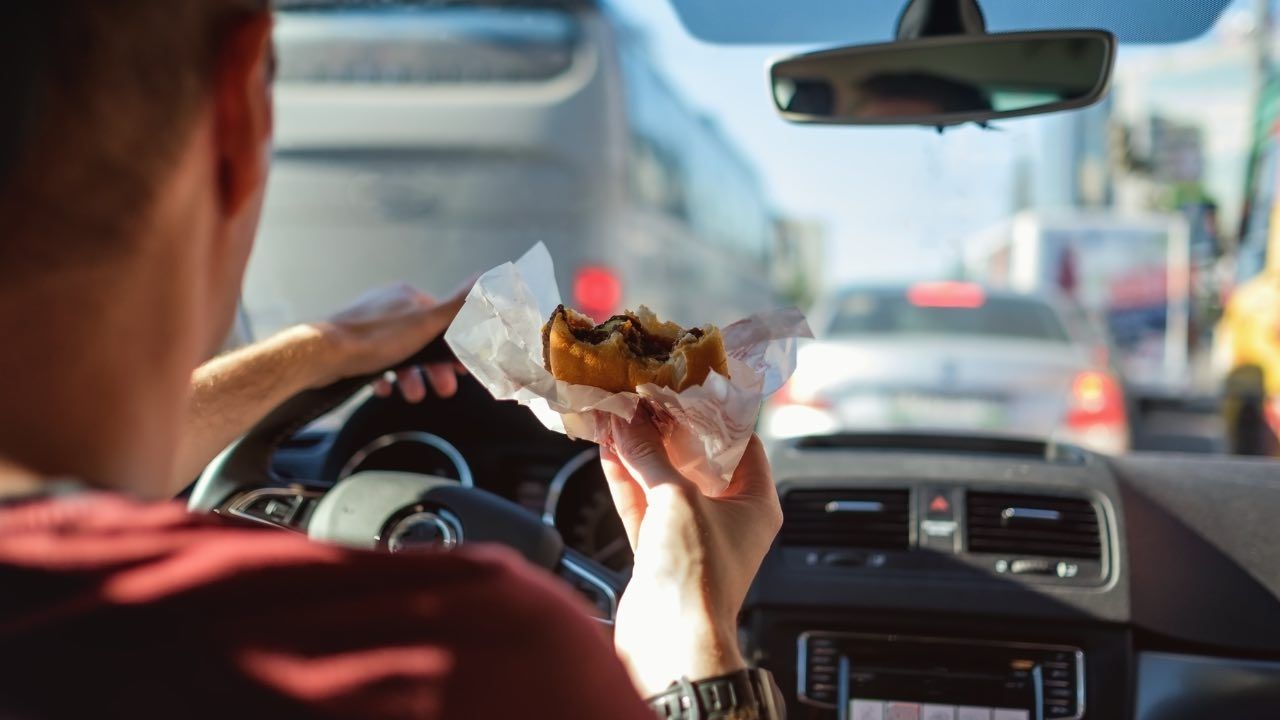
[938, 712]
[866, 710]
[1065, 693]
[973, 713]
[902, 711]
[1004, 714]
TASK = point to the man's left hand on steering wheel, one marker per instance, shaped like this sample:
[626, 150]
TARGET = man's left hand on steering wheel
[381, 329]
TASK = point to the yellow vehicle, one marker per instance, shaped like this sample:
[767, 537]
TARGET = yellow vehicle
[1247, 340]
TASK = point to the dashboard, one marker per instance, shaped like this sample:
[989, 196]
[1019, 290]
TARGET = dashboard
[930, 578]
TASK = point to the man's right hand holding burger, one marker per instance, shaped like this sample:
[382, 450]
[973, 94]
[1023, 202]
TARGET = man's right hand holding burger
[695, 558]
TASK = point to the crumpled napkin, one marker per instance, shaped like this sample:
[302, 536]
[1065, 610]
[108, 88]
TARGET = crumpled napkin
[498, 337]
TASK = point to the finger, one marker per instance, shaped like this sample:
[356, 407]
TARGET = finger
[466, 285]
[461, 369]
[753, 486]
[753, 476]
[640, 448]
[443, 379]
[433, 319]
[382, 388]
[437, 319]
[628, 496]
[412, 388]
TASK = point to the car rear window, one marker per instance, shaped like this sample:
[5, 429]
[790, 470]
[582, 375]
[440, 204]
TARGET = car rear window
[892, 313]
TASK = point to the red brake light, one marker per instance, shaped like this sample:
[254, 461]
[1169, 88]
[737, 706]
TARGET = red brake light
[597, 292]
[947, 295]
[1096, 399]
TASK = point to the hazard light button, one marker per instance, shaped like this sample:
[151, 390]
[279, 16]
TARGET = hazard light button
[939, 505]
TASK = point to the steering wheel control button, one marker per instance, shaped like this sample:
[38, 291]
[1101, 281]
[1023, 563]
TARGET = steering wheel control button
[423, 531]
[280, 507]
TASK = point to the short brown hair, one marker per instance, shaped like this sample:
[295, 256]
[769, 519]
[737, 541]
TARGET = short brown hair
[101, 94]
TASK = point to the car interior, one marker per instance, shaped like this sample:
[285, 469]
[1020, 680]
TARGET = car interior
[919, 573]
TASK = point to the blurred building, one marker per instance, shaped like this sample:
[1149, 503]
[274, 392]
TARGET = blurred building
[1182, 125]
[1073, 167]
[799, 259]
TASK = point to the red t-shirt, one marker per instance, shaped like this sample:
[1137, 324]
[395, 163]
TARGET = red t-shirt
[113, 608]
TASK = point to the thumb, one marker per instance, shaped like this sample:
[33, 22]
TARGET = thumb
[437, 318]
[640, 448]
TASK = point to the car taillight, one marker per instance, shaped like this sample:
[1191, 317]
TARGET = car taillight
[597, 292]
[947, 295]
[1096, 399]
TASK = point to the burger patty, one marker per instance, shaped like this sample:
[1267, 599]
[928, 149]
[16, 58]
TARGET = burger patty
[638, 340]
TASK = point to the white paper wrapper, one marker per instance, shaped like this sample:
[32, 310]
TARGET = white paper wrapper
[498, 337]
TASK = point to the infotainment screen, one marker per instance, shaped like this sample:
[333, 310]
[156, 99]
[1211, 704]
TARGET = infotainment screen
[884, 677]
[923, 691]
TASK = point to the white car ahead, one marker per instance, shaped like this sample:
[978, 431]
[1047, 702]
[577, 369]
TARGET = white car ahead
[949, 357]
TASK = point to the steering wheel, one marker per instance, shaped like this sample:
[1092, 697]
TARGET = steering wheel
[384, 511]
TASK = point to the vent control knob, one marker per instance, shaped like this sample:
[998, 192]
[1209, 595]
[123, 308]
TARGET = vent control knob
[1027, 566]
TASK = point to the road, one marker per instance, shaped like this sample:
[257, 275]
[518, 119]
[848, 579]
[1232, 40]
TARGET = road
[1173, 430]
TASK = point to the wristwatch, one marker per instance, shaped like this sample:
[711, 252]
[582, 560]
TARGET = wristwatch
[742, 695]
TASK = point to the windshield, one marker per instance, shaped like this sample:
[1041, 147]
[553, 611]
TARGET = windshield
[638, 140]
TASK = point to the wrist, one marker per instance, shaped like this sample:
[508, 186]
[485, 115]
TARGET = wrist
[694, 649]
[716, 651]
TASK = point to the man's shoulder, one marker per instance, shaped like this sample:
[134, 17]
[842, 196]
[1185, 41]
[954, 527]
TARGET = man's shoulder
[187, 601]
[150, 549]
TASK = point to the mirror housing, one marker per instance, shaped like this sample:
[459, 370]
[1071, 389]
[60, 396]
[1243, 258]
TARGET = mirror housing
[946, 80]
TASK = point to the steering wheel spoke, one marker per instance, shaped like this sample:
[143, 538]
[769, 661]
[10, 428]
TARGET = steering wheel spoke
[598, 584]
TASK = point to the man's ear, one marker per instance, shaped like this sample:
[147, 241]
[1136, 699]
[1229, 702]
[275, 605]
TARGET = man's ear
[243, 113]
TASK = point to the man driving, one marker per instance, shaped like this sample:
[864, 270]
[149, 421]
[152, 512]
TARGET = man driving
[133, 161]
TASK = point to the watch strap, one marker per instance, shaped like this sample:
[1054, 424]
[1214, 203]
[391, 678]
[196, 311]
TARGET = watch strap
[726, 697]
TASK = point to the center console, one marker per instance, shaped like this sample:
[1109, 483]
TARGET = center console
[885, 677]
[983, 583]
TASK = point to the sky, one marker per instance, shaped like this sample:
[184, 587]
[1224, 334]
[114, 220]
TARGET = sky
[896, 202]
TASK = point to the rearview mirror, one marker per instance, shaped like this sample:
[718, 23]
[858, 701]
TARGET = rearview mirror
[946, 80]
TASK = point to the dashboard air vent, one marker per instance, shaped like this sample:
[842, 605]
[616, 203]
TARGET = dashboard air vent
[1039, 525]
[876, 519]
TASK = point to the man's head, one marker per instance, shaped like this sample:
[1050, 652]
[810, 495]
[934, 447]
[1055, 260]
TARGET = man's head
[134, 148]
[104, 103]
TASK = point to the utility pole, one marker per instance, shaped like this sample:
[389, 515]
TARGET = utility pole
[1264, 26]
[1263, 34]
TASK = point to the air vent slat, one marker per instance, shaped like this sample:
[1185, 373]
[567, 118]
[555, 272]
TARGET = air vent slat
[1039, 525]
[1071, 529]
[874, 519]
